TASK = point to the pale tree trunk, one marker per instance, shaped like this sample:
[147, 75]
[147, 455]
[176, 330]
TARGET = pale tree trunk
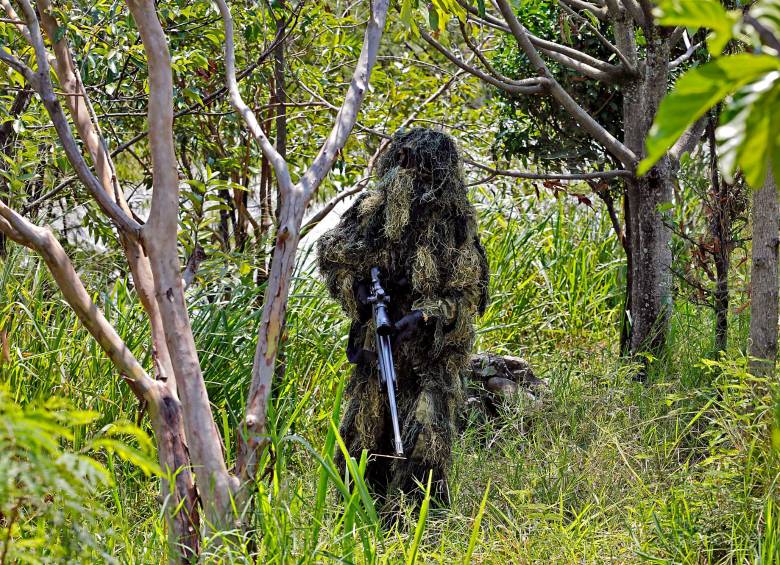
[167, 417]
[161, 398]
[763, 279]
[160, 236]
[158, 278]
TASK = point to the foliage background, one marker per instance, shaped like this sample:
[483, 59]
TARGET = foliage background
[683, 469]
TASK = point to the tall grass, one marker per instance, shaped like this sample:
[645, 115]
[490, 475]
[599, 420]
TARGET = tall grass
[600, 469]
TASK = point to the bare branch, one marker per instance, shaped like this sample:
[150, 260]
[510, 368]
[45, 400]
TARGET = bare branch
[347, 116]
[69, 283]
[332, 203]
[53, 192]
[487, 20]
[610, 142]
[41, 82]
[688, 140]
[685, 56]
[548, 176]
[575, 55]
[362, 183]
[606, 42]
[525, 86]
[274, 157]
[599, 11]
[477, 51]
[16, 65]
[324, 102]
[767, 36]
[609, 77]
[220, 92]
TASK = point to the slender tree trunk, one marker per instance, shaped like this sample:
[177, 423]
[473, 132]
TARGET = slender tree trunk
[625, 327]
[651, 261]
[764, 294]
[720, 230]
[648, 201]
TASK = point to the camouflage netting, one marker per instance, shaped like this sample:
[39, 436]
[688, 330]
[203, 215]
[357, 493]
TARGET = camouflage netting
[419, 227]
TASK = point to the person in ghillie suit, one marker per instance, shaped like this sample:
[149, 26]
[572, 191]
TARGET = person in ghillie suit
[418, 226]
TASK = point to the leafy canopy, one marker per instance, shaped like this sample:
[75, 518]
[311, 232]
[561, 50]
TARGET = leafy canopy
[748, 84]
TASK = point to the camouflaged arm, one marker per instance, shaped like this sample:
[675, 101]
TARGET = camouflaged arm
[341, 254]
[465, 292]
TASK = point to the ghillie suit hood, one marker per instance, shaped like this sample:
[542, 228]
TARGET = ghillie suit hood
[417, 225]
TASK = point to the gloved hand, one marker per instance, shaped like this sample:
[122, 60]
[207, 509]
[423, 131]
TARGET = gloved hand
[407, 326]
[362, 292]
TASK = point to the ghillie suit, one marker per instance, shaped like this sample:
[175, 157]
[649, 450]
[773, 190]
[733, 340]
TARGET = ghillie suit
[418, 226]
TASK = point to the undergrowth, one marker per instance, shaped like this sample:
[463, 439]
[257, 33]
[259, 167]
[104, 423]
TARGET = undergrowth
[682, 469]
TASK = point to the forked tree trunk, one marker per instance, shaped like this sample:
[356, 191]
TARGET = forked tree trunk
[763, 279]
[182, 514]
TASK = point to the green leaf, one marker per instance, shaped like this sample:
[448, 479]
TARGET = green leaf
[406, 12]
[700, 13]
[697, 91]
[59, 33]
[141, 460]
[749, 134]
[481, 8]
[411, 558]
[475, 526]
[433, 18]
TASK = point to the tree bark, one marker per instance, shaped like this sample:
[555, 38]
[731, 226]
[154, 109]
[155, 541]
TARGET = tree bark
[651, 260]
[763, 279]
[648, 199]
[173, 457]
[160, 241]
[720, 230]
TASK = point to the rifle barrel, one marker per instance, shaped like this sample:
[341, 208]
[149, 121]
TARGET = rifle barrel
[386, 358]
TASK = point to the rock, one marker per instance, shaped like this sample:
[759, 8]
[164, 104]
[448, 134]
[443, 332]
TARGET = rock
[516, 369]
[494, 378]
[501, 385]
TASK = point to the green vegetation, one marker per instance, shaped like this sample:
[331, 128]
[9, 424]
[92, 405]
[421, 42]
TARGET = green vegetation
[657, 436]
[683, 469]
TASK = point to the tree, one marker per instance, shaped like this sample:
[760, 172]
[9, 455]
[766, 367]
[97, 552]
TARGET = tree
[638, 62]
[748, 135]
[186, 434]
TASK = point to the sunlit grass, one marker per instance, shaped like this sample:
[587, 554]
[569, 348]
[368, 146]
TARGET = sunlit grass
[600, 469]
